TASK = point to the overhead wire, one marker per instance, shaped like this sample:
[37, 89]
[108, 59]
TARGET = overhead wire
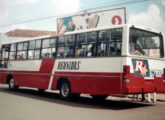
[85, 9]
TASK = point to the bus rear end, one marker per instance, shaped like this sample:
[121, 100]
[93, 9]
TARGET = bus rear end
[144, 64]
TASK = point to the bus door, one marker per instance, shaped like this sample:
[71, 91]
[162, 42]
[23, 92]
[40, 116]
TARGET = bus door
[4, 55]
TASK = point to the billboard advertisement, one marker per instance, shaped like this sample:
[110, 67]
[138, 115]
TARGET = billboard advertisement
[91, 20]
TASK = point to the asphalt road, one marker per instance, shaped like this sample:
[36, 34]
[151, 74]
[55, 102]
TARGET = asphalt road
[29, 104]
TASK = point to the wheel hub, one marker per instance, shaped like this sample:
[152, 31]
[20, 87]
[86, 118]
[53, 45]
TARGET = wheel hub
[65, 90]
[11, 82]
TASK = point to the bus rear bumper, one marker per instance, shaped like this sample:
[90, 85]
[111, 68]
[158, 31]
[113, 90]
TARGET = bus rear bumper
[133, 90]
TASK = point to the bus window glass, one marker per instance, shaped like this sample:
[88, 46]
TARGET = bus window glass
[109, 42]
[48, 48]
[69, 50]
[82, 47]
[52, 42]
[20, 46]
[31, 54]
[37, 54]
[115, 41]
[32, 44]
[54, 53]
[66, 46]
[81, 38]
[38, 43]
[101, 35]
[91, 50]
[104, 35]
[25, 45]
[21, 55]
[4, 55]
[102, 49]
[65, 51]
[61, 40]
[91, 36]
[45, 43]
[61, 51]
[70, 39]
[13, 47]
[81, 50]
[145, 43]
[46, 53]
[12, 55]
[5, 52]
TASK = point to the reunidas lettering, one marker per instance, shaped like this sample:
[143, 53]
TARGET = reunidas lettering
[71, 65]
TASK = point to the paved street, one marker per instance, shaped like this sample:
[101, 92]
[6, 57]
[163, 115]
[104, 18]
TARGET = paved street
[28, 104]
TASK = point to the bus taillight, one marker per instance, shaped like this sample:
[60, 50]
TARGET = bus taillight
[126, 73]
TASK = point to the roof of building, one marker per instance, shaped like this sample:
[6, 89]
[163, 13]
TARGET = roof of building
[29, 33]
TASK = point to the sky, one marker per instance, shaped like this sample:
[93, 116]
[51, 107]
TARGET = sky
[15, 13]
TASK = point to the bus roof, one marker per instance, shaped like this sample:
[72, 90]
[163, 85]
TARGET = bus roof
[26, 39]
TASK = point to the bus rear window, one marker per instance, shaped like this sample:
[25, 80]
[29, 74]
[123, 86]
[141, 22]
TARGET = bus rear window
[145, 43]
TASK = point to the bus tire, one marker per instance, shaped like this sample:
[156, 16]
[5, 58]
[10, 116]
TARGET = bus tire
[12, 85]
[65, 90]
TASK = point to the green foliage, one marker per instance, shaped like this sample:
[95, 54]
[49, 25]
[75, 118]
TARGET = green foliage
[147, 42]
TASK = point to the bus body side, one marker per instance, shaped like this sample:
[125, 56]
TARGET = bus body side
[90, 78]
[91, 75]
[29, 73]
[35, 74]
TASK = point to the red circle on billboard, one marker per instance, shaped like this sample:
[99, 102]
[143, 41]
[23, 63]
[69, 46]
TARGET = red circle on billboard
[116, 20]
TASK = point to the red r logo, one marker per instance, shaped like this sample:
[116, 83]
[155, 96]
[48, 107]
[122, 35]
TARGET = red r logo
[116, 20]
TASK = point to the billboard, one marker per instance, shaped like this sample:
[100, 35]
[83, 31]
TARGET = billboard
[91, 20]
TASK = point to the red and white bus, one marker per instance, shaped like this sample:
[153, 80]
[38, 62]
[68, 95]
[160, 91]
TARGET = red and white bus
[124, 59]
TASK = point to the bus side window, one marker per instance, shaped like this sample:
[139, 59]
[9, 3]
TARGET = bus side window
[115, 41]
[21, 51]
[91, 50]
[102, 44]
[70, 45]
[48, 48]
[91, 43]
[37, 49]
[31, 49]
[31, 54]
[5, 52]
[101, 49]
[70, 52]
[37, 54]
[86, 44]
[66, 46]
[81, 45]
[34, 49]
[79, 51]
[46, 53]
[12, 55]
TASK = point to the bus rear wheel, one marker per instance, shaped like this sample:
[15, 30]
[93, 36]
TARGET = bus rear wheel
[65, 90]
[12, 84]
